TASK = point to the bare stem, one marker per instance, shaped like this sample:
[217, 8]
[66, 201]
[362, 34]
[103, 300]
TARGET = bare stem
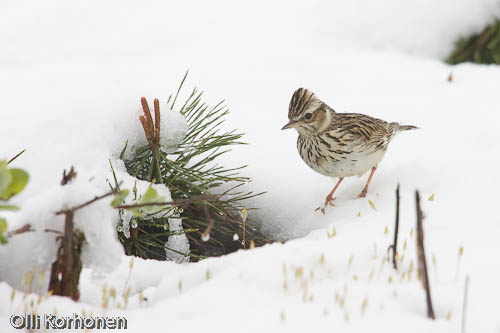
[18, 154]
[178, 202]
[394, 246]
[23, 229]
[73, 209]
[207, 231]
[422, 263]
[67, 177]
[67, 273]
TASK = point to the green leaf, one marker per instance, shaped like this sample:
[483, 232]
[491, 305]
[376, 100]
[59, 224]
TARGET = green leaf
[8, 207]
[3, 225]
[151, 196]
[136, 211]
[119, 197]
[5, 176]
[3, 228]
[19, 180]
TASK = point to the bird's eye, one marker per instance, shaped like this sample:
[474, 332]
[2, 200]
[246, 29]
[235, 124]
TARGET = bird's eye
[308, 116]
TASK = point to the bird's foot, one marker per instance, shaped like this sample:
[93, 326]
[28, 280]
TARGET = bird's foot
[328, 202]
[362, 194]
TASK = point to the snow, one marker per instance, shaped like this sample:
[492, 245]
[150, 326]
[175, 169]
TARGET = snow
[39, 248]
[177, 242]
[73, 75]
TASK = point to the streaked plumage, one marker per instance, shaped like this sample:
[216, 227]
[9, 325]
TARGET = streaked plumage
[338, 144]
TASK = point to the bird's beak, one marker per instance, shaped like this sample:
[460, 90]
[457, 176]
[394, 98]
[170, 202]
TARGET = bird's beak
[291, 124]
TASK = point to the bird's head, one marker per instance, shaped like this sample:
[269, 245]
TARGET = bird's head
[307, 114]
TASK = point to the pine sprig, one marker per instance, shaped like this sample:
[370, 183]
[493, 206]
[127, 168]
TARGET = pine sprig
[192, 171]
[482, 48]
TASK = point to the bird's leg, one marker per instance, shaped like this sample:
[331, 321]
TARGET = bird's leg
[329, 197]
[363, 193]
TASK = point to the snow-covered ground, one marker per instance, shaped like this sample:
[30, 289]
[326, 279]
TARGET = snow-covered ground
[72, 71]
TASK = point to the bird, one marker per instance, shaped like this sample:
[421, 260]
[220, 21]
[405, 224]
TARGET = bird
[338, 144]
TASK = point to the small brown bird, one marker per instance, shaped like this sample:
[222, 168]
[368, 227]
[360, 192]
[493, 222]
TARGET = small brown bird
[338, 144]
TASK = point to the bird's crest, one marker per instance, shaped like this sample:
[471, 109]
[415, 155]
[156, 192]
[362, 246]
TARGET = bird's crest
[301, 101]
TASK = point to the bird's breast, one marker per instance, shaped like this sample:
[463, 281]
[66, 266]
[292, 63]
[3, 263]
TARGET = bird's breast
[334, 158]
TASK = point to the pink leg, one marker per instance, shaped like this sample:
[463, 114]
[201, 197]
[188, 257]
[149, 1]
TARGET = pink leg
[363, 193]
[329, 197]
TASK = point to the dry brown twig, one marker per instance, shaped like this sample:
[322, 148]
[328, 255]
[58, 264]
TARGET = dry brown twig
[97, 198]
[21, 230]
[178, 202]
[28, 228]
[65, 272]
[206, 234]
[422, 263]
[69, 176]
[394, 246]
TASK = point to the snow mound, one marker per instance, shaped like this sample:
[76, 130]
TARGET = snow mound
[96, 221]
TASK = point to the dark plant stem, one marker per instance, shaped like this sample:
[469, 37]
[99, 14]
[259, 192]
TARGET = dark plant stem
[422, 263]
[178, 202]
[66, 269]
[18, 154]
[67, 177]
[23, 229]
[113, 191]
[394, 246]
[67, 274]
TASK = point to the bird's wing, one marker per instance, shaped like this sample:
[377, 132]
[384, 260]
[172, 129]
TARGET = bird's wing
[363, 129]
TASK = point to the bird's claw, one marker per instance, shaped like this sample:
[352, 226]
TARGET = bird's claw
[328, 202]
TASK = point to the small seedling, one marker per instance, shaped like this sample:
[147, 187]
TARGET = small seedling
[332, 234]
[349, 263]
[364, 305]
[282, 317]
